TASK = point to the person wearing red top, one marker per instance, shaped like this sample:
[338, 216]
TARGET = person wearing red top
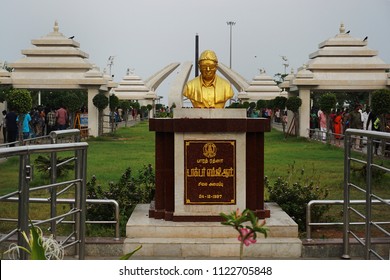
[62, 118]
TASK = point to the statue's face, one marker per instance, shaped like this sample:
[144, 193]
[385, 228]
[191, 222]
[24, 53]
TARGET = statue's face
[208, 68]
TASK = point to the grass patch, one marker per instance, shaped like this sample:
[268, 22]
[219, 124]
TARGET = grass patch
[109, 156]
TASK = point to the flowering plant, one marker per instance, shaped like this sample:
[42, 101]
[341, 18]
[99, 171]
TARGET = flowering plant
[247, 225]
[39, 247]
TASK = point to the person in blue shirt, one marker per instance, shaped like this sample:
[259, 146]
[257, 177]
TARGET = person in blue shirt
[26, 125]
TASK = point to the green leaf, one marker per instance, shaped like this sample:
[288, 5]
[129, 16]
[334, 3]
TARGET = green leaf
[128, 256]
[37, 250]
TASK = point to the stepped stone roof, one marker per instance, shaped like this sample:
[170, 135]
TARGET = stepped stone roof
[55, 62]
[261, 87]
[132, 87]
[5, 76]
[343, 63]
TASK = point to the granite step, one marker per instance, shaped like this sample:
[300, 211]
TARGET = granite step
[160, 238]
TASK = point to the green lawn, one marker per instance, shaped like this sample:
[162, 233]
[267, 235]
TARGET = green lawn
[109, 156]
[322, 163]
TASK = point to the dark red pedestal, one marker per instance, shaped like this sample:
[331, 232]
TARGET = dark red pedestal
[254, 129]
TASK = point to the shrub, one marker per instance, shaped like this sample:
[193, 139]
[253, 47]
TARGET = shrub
[20, 100]
[146, 184]
[294, 197]
[100, 101]
[328, 102]
[114, 102]
[293, 103]
[127, 192]
[280, 102]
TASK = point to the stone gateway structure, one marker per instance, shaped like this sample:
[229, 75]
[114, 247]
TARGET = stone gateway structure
[56, 62]
[341, 64]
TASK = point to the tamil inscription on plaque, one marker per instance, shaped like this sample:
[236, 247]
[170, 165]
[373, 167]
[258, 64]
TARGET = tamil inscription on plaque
[210, 172]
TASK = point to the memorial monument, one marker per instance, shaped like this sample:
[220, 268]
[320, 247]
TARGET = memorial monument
[209, 160]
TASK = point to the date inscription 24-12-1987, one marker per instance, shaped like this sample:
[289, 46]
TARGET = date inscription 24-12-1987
[210, 172]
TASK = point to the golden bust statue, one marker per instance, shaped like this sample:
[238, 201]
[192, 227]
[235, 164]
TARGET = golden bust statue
[208, 90]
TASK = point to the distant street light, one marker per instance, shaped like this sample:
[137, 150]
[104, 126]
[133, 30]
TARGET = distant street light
[110, 62]
[230, 23]
[285, 63]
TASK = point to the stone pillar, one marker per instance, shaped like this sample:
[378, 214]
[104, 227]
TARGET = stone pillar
[106, 112]
[93, 113]
[304, 112]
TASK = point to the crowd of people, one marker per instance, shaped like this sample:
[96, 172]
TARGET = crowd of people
[38, 122]
[341, 120]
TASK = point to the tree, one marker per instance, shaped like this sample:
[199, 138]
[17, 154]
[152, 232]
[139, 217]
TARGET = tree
[293, 103]
[4, 90]
[126, 106]
[72, 103]
[143, 110]
[250, 109]
[279, 78]
[328, 102]
[71, 99]
[159, 107]
[270, 104]
[20, 100]
[261, 104]
[114, 102]
[246, 104]
[101, 102]
[236, 105]
[280, 102]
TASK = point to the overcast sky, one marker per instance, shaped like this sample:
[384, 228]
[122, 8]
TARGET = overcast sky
[146, 35]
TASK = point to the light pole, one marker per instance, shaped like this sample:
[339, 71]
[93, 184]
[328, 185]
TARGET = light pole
[285, 63]
[230, 23]
[110, 62]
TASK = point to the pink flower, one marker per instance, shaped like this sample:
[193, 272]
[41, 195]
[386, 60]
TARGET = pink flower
[247, 235]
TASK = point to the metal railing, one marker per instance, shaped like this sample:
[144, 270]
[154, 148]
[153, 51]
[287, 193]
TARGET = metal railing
[64, 136]
[366, 190]
[374, 140]
[72, 202]
[329, 137]
[336, 202]
[56, 136]
[78, 184]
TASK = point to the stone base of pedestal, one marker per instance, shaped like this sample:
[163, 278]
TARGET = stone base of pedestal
[208, 240]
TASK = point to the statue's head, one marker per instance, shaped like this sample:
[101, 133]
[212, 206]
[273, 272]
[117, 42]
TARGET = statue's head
[208, 55]
[208, 63]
